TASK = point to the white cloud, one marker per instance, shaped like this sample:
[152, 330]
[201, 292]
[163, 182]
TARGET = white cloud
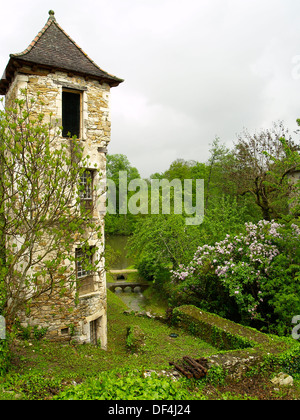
[192, 69]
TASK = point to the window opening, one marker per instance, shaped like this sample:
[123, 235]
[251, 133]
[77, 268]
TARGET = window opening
[94, 331]
[83, 260]
[71, 104]
[86, 185]
[64, 331]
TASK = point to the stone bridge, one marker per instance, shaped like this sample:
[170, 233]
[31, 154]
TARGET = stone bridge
[127, 286]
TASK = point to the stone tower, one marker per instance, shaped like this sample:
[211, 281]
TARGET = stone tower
[76, 92]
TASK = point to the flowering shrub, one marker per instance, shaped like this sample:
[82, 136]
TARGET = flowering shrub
[255, 276]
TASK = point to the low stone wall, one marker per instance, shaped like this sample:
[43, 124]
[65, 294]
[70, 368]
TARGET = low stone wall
[241, 347]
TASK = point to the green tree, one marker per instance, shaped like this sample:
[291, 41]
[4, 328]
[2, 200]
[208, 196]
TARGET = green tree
[214, 174]
[159, 243]
[41, 219]
[117, 163]
[179, 169]
[256, 161]
[120, 224]
[286, 176]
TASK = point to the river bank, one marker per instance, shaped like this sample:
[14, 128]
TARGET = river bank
[135, 300]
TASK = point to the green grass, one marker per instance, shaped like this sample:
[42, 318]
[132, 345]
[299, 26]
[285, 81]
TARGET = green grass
[41, 368]
[154, 301]
[44, 370]
[160, 348]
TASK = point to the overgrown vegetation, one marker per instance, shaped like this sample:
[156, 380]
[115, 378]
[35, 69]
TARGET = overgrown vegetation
[253, 277]
[40, 369]
[243, 261]
[41, 216]
[44, 370]
[124, 385]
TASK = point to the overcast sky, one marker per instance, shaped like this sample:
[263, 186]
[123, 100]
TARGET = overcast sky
[193, 69]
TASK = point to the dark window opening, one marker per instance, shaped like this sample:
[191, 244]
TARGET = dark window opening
[64, 331]
[71, 114]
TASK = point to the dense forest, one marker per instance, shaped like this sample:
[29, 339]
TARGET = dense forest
[243, 261]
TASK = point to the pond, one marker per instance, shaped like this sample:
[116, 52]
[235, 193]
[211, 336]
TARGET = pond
[119, 243]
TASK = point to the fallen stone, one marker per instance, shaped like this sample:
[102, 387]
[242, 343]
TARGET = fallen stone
[283, 379]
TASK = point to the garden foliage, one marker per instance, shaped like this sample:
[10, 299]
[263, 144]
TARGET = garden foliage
[252, 278]
[121, 385]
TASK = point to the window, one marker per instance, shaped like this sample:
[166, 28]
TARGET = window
[86, 185]
[71, 115]
[85, 276]
[86, 189]
[83, 261]
[64, 331]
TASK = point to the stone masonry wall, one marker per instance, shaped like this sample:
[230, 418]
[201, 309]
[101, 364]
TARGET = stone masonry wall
[59, 313]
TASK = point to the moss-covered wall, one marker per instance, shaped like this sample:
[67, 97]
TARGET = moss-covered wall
[240, 347]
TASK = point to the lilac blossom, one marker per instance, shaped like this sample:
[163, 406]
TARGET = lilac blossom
[240, 261]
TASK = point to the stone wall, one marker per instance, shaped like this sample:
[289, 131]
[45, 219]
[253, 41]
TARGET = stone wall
[66, 318]
[240, 347]
[70, 315]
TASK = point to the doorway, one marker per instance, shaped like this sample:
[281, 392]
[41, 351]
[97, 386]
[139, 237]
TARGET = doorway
[94, 332]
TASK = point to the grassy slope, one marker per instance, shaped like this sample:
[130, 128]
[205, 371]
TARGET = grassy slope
[39, 368]
[159, 349]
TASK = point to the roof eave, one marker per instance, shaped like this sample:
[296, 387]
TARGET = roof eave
[15, 62]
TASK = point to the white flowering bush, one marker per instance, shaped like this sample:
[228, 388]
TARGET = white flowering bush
[253, 278]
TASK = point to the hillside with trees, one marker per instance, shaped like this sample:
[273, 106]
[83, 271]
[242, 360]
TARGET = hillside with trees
[243, 261]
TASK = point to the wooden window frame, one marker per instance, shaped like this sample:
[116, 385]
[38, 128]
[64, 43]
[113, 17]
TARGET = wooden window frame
[85, 278]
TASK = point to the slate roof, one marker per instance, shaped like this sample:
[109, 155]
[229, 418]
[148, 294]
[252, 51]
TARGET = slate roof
[52, 48]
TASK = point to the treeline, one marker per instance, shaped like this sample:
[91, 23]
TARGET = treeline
[255, 180]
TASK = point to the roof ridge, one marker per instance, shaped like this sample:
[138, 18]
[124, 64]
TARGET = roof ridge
[79, 48]
[53, 48]
[49, 22]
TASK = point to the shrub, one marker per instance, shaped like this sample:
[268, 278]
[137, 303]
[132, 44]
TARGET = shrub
[39, 333]
[251, 278]
[135, 338]
[121, 385]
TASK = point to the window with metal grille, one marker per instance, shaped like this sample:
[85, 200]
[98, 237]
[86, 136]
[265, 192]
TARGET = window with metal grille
[71, 115]
[83, 261]
[86, 185]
